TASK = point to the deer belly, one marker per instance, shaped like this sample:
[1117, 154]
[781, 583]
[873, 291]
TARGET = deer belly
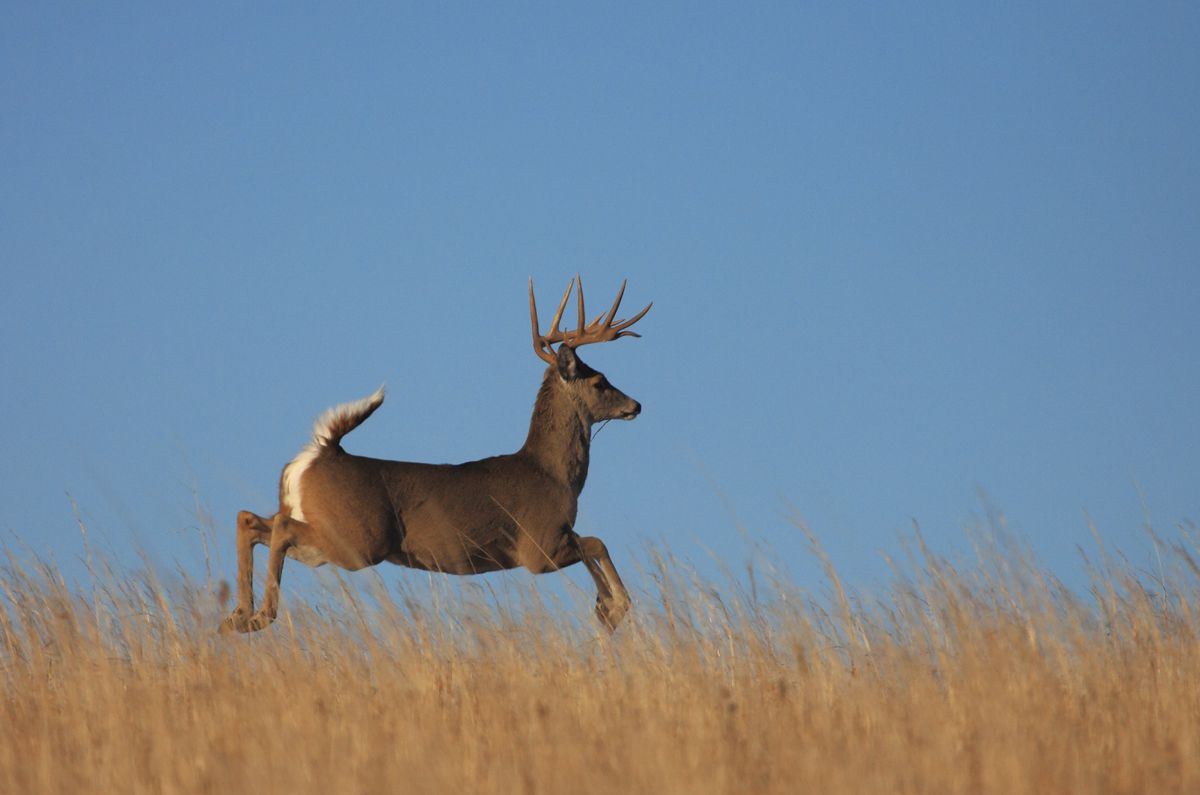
[308, 555]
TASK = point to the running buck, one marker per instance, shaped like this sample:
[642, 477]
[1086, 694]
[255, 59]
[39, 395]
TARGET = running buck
[497, 513]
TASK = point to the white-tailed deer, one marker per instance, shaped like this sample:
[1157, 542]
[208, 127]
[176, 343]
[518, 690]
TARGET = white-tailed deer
[496, 513]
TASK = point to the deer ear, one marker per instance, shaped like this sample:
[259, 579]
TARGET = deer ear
[568, 363]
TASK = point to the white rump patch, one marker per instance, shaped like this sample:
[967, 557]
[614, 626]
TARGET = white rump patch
[353, 412]
[291, 479]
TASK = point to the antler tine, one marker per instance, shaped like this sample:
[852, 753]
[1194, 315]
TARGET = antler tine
[616, 304]
[554, 332]
[579, 295]
[539, 344]
[533, 318]
[624, 324]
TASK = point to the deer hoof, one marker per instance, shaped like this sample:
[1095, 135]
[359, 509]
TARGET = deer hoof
[237, 621]
[610, 613]
[259, 620]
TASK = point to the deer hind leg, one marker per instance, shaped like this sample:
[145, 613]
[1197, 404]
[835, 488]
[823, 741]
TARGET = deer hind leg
[252, 529]
[281, 535]
[286, 533]
[612, 600]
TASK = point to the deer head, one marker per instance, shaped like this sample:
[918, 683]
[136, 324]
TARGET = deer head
[594, 397]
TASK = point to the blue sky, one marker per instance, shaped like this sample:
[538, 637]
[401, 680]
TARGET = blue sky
[899, 256]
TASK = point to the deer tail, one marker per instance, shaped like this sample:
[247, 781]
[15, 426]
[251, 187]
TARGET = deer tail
[338, 421]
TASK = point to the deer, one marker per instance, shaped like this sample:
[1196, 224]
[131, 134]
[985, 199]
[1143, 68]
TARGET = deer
[503, 512]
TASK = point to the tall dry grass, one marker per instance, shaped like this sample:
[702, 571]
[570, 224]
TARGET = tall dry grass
[967, 679]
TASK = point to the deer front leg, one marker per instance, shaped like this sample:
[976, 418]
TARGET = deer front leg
[251, 529]
[612, 600]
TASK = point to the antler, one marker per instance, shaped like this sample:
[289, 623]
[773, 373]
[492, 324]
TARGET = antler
[602, 329]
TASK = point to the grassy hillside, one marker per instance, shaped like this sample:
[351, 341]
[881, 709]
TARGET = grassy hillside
[991, 679]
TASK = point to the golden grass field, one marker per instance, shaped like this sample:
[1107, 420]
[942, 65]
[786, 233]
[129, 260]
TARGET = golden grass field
[979, 678]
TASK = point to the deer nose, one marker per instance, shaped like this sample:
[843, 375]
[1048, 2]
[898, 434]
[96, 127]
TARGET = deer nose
[633, 412]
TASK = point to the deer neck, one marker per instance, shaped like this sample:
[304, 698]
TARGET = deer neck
[559, 434]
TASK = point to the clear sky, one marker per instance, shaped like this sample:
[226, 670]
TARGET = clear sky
[900, 255]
